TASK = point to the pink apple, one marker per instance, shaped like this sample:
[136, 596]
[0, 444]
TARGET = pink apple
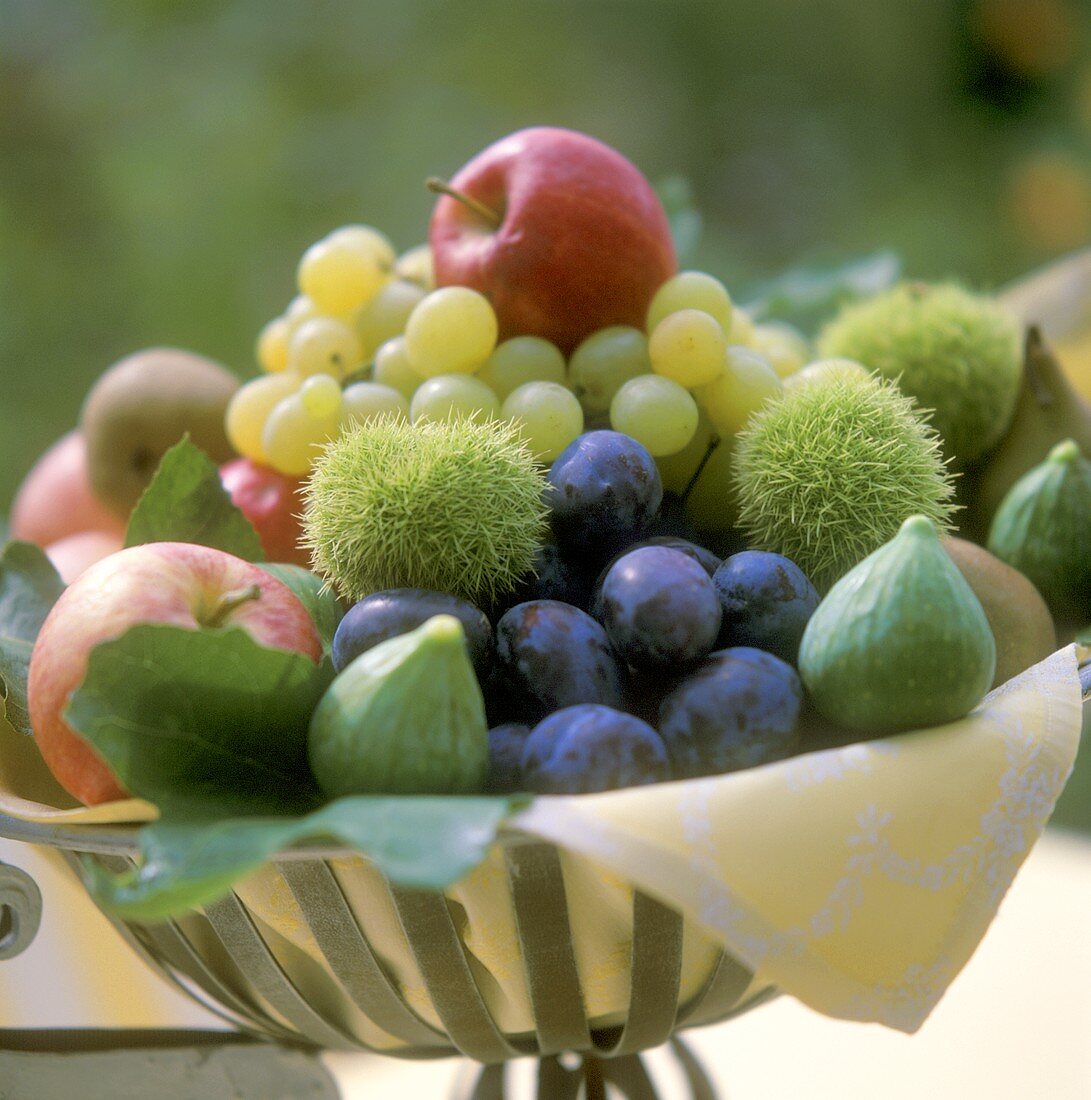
[273, 503]
[74, 553]
[579, 239]
[160, 582]
[55, 499]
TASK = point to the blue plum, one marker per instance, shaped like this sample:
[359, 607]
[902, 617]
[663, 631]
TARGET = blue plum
[603, 492]
[739, 708]
[660, 608]
[587, 748]
[551, 655]
[506, 744]
[396, 611]
[767, 600]
[554, 576]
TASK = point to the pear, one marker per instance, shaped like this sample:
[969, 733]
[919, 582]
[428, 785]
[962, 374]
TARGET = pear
[1017, 614]
[1047, 411]
[141, 407]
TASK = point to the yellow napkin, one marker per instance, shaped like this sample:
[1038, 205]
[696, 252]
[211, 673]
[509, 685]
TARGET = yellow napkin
[858, 879]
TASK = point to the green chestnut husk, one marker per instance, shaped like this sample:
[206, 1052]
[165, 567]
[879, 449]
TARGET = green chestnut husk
[405, 717]
[1043, 529]
[901, 641]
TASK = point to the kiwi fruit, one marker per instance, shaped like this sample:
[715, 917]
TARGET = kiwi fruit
[141, 407]
[1017, 614]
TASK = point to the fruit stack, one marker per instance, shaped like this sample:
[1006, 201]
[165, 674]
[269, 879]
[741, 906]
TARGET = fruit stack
[545, 516]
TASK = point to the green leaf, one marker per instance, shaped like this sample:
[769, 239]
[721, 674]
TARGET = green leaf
[684, 218]
[315, 594]
[193, 859]
[204, 720]
[29, 587]
[186, 502]
[807, 296]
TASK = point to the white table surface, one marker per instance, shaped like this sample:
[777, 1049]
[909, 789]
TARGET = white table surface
[1016, 1024]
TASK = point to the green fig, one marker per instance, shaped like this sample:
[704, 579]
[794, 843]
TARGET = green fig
[405, 717]
[141, 407]
[1047, 411]
[1043, 529]
[900, 641]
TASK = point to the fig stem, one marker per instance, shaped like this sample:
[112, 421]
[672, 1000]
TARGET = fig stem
[442, 187]
[228, 602]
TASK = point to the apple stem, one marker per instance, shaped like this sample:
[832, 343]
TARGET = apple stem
[442, 187]
[228, 602]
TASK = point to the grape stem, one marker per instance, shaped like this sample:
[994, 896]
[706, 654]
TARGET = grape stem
[713, 443]
[442, 187]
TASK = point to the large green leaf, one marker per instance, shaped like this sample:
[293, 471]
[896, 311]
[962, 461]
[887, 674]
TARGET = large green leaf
[186, 502]
[315, 594]
[29, 587]
[206, 718]
[212, 727]
[191, 860]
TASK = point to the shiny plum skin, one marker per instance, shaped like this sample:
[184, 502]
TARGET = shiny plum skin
[506, 744]
[395, 611]
[706, 559]
[552, 655]
[587, 748]
[737, 709]
[767, 601]
[660, 608]
[604, 492]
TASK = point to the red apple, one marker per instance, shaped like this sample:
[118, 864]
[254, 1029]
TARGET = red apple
[55, 499]
[579, 239]
[273, 503]
[159, 582]
[74, 553]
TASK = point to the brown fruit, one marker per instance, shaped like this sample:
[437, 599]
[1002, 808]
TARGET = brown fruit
[141, 407]
[1047, 411]
[1017, 614]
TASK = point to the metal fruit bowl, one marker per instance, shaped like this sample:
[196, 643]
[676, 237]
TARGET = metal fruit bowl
[246, 965]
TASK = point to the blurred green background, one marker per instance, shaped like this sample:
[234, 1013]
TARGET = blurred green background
[163, 164]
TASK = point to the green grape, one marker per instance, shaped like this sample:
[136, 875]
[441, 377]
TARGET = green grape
[822, 369]
[453, 330]
[384, 317]
[784, 347]
[603, 362]
[321, 395]
[691, 290]
[416, 266]
[688, 347]
[363, 400]
[392, 368]
[548, 414]
[656, 412]
[747, 382]
[742, 328]
[324, 345]
[343, 270]
[712, 504]
[519, 360]
[677, 470]
[453, 395]
[272, 345]
[301, 309]
[249, 408]
[293, 438]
